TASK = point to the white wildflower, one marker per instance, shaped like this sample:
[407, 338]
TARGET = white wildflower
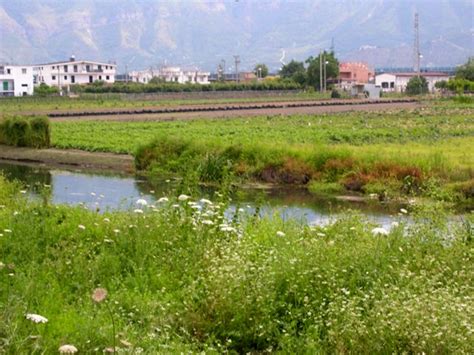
[67, 349]
[207, 222]
[141, 202]
[36, 318]
[116, 231]
[404, 211]
[106, 220]
[395, 224]
[205, 201]
[23, 191]
[183, 197]
[320, 234]
[163, 199]
[7, 230]
[379, 231]
[16, 213]
[80, 226]
[280, 233]
[93, 194]
[138, 210]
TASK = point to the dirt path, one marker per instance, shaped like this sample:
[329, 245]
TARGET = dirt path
[69, 158]
[227, 111]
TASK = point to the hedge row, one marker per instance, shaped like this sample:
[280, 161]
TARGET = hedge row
[174, 87]
[25, 131]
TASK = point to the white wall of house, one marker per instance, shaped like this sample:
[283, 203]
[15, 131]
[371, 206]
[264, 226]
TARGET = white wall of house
[73, 72]
[16, 80]
[397, 82]
[170, 74]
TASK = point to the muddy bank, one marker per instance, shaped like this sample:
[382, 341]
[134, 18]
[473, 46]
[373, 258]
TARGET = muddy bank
[69, 158]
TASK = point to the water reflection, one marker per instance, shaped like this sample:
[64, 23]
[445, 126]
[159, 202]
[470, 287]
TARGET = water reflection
[111, 192]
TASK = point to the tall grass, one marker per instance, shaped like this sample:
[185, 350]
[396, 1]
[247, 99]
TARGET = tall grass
[25, 131]
[183, 279]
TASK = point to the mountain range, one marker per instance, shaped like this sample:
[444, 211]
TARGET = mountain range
[138, 34]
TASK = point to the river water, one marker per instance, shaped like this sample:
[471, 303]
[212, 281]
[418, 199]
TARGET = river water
[106, 192]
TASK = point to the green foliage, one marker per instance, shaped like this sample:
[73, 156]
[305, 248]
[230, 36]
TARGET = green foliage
[314, 71]
[417, 86]
[25, 131]
[260, 70]
[44, 90]
[466, 71]
[154, 87]
[182, 281]
[460, 86]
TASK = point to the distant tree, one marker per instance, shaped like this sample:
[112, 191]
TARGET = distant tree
[263, 72]
[294, 71]
[417, 86]
[466, 71]
[332, 68]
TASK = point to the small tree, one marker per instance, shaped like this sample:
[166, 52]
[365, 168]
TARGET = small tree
[261, 70]
[294, 71]
[329, 63]
[417, 86]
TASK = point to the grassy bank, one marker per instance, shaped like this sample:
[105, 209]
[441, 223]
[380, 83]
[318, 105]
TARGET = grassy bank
[417, 151]
[180, 280]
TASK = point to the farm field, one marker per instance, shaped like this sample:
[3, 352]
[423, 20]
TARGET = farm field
[430, 143]
[38, 105]
[171, 279]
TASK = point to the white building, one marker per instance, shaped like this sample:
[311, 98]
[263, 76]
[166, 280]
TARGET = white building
[397, 82]
[73, 72]
[171, 74]
[16, 80]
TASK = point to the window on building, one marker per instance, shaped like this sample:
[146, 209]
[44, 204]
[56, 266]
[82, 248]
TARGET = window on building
[99, 67]
[75, 68]
[384, 85]
[5, 86]
[100, 77]
[24, 85]
[65, 68]
[392, 84]
[91, 79]
[23, 70]
[73, 79]
[107, 77]
[88, 67]
[2, 70]
[53, 77]
[9, 71]
[65, 77]
[53, 66]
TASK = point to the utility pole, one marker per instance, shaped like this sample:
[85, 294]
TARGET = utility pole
[320, 70]
[416, 48]
[237, 62]
[325, 69]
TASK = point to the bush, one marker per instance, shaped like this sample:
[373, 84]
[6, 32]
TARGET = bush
[45, 90]
[335, 94]
[417, 86]
[24, 131]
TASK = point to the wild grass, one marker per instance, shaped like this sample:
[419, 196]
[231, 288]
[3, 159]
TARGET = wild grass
[182, 278]
[25, 131]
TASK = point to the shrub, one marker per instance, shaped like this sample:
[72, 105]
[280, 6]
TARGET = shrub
[24, 131]
[417, 86]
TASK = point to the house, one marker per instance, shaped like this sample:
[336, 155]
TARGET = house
[171, 75]
[73, 71]
[397, 82]
[16, 80]
[354, 73]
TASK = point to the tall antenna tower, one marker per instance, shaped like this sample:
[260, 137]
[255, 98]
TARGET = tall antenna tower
[416, 49]
[237, 62]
